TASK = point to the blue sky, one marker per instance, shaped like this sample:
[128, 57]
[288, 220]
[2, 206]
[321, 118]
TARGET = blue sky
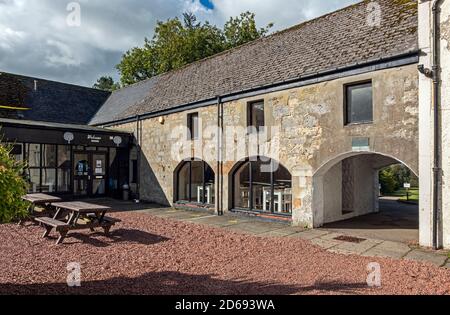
[35, 39]
[207, 4]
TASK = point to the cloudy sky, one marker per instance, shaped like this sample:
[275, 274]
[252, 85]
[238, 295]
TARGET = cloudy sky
[37, 40]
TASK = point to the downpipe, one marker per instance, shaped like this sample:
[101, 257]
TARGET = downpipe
[434, 74]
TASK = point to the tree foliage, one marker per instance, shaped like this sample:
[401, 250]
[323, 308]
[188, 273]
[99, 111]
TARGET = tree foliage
[12, 187]
[106, 83]
[393, 178]
[177, 43]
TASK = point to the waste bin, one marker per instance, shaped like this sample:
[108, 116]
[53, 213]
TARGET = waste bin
[126, 192]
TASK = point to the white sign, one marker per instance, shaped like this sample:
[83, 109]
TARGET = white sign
[406, 185]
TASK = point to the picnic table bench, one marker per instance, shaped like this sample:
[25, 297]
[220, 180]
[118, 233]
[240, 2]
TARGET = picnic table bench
[38, 200]
[94, 216]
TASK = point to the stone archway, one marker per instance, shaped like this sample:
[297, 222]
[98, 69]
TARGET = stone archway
[347, 186]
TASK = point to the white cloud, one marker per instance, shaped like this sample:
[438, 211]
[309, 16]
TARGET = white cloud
[36, 30]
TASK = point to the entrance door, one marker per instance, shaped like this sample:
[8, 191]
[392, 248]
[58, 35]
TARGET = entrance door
[89, 174]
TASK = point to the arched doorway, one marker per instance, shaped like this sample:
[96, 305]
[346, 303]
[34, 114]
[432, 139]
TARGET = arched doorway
[347, 198]
[261, 184]
[194, 183]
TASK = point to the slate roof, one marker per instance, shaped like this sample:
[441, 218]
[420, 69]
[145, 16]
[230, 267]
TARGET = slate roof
[335, 40]
[48, 101]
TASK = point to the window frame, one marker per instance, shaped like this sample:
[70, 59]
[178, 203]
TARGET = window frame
[190, 124]
[347, 121]
[190, 200]
[251, 162]
[250, 127]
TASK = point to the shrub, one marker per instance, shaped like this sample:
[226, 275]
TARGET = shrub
[12, 187]
[388, 181]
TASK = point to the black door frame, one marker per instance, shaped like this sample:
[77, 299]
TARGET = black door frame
[90, 177]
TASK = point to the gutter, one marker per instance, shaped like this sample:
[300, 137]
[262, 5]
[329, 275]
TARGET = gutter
[434, 74]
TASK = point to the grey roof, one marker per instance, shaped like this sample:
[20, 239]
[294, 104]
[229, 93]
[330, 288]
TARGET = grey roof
[339, 39]
[48, 100]
[121, 99]
[66, 127]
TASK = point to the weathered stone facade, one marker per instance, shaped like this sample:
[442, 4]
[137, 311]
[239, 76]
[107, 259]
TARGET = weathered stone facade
[306, 124]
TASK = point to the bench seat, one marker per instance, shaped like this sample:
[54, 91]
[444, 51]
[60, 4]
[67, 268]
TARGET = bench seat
[58, 225]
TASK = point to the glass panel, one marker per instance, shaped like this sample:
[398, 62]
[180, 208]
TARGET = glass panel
[194, 126]
[210, 185]
[63, 180]
[359, 103]
[112, 156]
[16, 152]
[33, 155]
[282, 190]
[183, 183]
[81, 164]
[102, 149]
[33, 176]
[242, 187]
[197, 182]
[64, 156]
[99, 161]
[48, 155]
[80, 187]
[98, 187]
[48, 180]
[261, 179]
[257, 115]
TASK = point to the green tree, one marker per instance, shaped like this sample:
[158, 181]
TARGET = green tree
[388, 181]
[177, 43]
[12, 187]
[243, 29]
[106, 84]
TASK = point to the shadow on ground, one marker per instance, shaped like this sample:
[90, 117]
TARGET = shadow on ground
[175, 283]
[114, 237]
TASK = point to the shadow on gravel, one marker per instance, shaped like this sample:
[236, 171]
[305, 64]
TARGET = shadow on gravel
[175, 283]
[116, 236]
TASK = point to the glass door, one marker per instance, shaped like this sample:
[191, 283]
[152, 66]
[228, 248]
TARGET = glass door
[81, 174]
[98, 174]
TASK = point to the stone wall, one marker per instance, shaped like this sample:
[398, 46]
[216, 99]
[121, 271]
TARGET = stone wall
[306, 131]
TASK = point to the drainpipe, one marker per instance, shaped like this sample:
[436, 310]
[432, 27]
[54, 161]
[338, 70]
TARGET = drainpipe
[434, 74]
[219, 193]
[437, 170]
[138, 150]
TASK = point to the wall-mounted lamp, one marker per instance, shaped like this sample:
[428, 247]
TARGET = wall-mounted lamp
[161, 120]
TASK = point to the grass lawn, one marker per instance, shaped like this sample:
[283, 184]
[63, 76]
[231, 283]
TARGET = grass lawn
[413, 194]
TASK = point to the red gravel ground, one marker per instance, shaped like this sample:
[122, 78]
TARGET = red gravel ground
[149, 255]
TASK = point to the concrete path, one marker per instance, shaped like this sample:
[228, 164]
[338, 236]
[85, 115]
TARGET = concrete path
[329, 240]
[396, 222]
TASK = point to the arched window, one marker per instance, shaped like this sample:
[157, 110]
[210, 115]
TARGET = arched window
[195, 182]
[263, 185]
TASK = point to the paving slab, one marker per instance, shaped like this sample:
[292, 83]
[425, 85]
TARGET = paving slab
[325, 244]
[356, 248]
[428, 257]
[331, 236]
[278, 233]
[212, 220]
[256, 227]
[447, 265]
[310, 234]
[388, 249]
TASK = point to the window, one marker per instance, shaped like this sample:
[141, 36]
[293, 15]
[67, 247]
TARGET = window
[195, 182]
[359, 103]
[193, 126]
[256, 116]
[262, 185]
[48, 167]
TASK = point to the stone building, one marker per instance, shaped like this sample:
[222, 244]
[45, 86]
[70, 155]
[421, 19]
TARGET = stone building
[297, 125]
[294, 126]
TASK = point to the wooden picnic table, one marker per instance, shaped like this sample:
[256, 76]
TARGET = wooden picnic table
[38, 200]
[94, 216]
